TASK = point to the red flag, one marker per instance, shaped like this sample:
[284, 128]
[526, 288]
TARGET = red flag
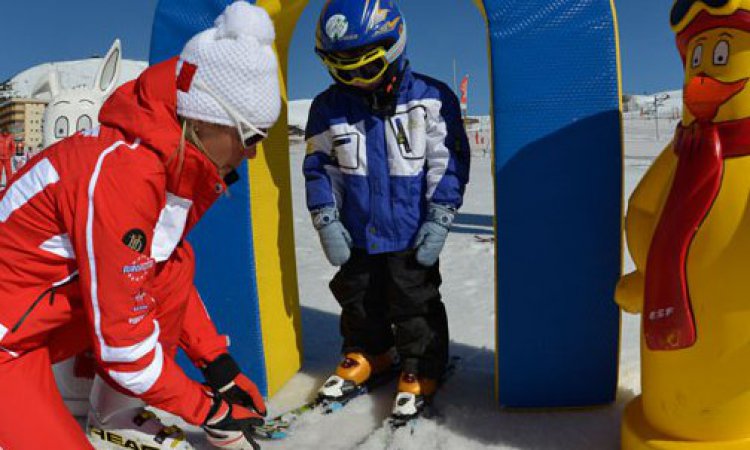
[465, 90]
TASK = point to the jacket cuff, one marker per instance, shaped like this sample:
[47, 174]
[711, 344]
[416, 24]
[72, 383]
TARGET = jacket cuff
[442, 215]
[204, 351]
[324, 216]
[221, 371]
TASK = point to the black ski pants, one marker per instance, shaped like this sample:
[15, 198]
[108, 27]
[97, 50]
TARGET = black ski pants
[390, 299]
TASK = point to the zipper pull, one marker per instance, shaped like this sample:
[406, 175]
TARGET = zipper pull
[401, 137]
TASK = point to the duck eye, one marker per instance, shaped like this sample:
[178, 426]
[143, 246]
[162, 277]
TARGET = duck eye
[697, 56]
[721, 53]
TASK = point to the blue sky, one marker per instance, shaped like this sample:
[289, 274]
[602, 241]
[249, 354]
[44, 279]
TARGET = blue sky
[452, 29]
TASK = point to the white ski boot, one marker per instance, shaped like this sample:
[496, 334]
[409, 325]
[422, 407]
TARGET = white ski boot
[117, 421]
[74, 390]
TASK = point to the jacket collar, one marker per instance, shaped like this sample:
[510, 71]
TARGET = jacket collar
[146, 108]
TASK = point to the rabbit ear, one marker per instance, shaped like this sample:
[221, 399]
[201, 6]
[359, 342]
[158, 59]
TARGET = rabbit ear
[50, 83]
[109, 71]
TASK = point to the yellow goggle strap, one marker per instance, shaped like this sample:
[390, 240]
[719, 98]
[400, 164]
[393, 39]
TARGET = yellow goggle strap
[353, 63]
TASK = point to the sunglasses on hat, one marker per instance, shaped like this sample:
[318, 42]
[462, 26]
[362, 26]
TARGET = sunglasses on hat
[249, 134]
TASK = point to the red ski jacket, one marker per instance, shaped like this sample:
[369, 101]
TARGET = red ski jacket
[93, 229]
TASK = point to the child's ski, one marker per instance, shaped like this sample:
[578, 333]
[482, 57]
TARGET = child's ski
[281, 426]
[386, 433]
[428, 410]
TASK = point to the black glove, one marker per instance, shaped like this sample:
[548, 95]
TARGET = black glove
[231, 426]
[224, 375]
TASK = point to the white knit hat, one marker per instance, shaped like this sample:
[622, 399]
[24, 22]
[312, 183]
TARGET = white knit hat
[236, 61]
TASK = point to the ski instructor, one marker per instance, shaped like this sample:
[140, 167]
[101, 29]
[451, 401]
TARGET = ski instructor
[92, 243]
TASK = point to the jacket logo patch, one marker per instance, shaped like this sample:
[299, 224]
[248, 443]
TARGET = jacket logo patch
[135, 239]
[136, 320]
[139, 269]
[138, 266]
[142, 303]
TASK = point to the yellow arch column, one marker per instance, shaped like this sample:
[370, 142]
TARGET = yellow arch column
[273, 224]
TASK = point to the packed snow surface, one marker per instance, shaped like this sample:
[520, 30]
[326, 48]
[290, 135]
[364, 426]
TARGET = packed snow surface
[469, 418]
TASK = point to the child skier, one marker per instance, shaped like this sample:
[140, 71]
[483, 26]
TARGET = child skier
[386, 167]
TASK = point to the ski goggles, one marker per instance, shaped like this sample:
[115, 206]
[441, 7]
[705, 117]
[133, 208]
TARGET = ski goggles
[250, 135]
[364, 69]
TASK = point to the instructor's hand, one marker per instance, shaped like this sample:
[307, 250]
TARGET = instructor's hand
[224, 376]
[334, 238]
[231, 426]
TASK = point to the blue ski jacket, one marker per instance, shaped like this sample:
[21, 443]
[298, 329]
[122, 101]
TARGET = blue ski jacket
[382, 172]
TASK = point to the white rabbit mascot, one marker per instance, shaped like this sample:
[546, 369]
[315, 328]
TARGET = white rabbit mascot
[112, 416]
[77, 109]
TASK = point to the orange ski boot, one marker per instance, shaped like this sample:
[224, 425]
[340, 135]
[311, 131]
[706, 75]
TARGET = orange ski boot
[359, 371]
[413, 395]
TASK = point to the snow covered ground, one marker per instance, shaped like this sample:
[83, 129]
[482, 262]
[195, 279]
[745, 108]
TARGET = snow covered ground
[469, 418]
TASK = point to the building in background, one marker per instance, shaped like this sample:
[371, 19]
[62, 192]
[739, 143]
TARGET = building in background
[23, 117]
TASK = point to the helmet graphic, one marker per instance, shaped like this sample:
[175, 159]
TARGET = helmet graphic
[359, 39]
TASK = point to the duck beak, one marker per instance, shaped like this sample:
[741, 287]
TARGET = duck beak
[704, 95]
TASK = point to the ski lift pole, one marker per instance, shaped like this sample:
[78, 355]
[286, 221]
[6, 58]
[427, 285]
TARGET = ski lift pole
[658, 101]
[656, 112]
[455, 84]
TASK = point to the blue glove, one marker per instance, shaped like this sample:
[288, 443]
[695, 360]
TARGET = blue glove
[334, 238]
[432, 234]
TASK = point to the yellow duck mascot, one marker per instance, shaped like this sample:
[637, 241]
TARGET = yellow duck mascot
[688, 231]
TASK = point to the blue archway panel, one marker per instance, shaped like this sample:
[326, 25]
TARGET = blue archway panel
[558, 189]
[223, 241]
[558, 173]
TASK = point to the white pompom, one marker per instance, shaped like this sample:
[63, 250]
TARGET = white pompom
[243, 19]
